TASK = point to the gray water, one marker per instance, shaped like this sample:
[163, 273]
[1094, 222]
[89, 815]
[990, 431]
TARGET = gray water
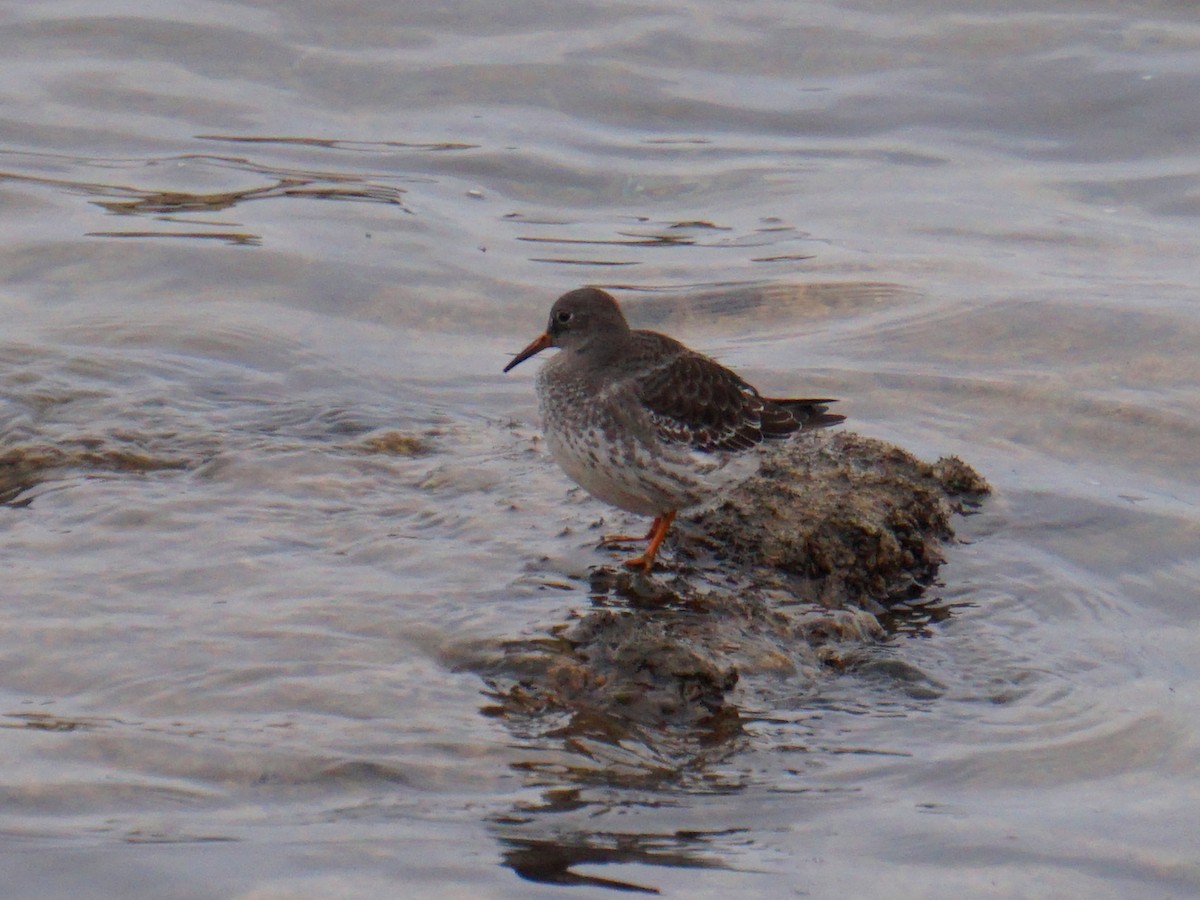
[268, 497]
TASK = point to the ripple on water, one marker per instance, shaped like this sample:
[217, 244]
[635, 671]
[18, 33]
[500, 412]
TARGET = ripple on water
[260, 272]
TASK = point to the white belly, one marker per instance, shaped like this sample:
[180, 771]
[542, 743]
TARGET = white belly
[642, 480]
[609, 447]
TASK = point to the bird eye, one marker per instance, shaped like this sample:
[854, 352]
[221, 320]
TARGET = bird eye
[562, 317]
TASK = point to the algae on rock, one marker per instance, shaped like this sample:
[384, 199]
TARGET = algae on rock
[784, 576]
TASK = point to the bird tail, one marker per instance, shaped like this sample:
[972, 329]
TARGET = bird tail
[793, 415]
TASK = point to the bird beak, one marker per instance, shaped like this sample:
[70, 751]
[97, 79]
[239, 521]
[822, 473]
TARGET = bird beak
[540, 343]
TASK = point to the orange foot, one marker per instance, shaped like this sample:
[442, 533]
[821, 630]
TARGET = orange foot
[656, 536]
[628, 538]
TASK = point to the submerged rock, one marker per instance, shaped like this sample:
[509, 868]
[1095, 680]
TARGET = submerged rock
[395, 443]
[787, 575]
[24, 466]
[26, 463]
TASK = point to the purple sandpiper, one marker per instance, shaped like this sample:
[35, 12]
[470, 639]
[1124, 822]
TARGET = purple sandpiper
[643, 423]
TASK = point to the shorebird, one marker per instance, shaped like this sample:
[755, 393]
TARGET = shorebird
[643, 423]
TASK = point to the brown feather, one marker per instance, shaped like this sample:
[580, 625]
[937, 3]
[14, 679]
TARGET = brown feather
[694, 400]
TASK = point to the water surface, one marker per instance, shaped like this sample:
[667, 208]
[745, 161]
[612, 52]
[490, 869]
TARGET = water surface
[268, 499]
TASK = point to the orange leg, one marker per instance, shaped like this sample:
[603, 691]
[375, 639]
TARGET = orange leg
[657, 535]
[626, 538]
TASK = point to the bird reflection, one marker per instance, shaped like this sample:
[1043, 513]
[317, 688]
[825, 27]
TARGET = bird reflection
[551, 861]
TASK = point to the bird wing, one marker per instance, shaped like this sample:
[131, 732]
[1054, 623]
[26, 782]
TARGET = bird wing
[696, 401]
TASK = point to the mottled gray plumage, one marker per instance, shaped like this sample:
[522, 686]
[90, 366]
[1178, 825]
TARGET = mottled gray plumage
[644, 423]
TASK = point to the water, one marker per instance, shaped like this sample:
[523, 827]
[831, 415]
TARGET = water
[269, 499]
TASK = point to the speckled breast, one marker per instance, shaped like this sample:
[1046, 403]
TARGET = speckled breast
[611, 451]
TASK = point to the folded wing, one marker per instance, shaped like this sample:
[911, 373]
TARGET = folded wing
[696, 401]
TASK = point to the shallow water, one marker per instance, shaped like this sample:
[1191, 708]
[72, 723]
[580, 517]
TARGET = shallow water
[268, 498]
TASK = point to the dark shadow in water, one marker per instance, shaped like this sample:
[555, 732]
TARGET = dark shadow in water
[128, 200]
[339, 144]
[39, 721]
[917, 617]
[234, 238]
[582, 262]
[552, 861]
[135, 201]
[552, 855]
[164, 203]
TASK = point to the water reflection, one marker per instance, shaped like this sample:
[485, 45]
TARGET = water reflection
[166, 204]
[620, 717]
[551, 861]
[339, 144]
[234, 238]
[1000, 273]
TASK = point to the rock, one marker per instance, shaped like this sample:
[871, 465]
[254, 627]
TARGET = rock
[785, 577]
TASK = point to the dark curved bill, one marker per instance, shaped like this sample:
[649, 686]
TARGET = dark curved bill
[540, 343]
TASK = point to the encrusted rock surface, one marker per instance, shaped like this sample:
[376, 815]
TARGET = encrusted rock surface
[785, 576]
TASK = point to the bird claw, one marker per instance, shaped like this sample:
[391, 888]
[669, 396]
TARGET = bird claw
[609, 539]
[640, 562]
[658, 531]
